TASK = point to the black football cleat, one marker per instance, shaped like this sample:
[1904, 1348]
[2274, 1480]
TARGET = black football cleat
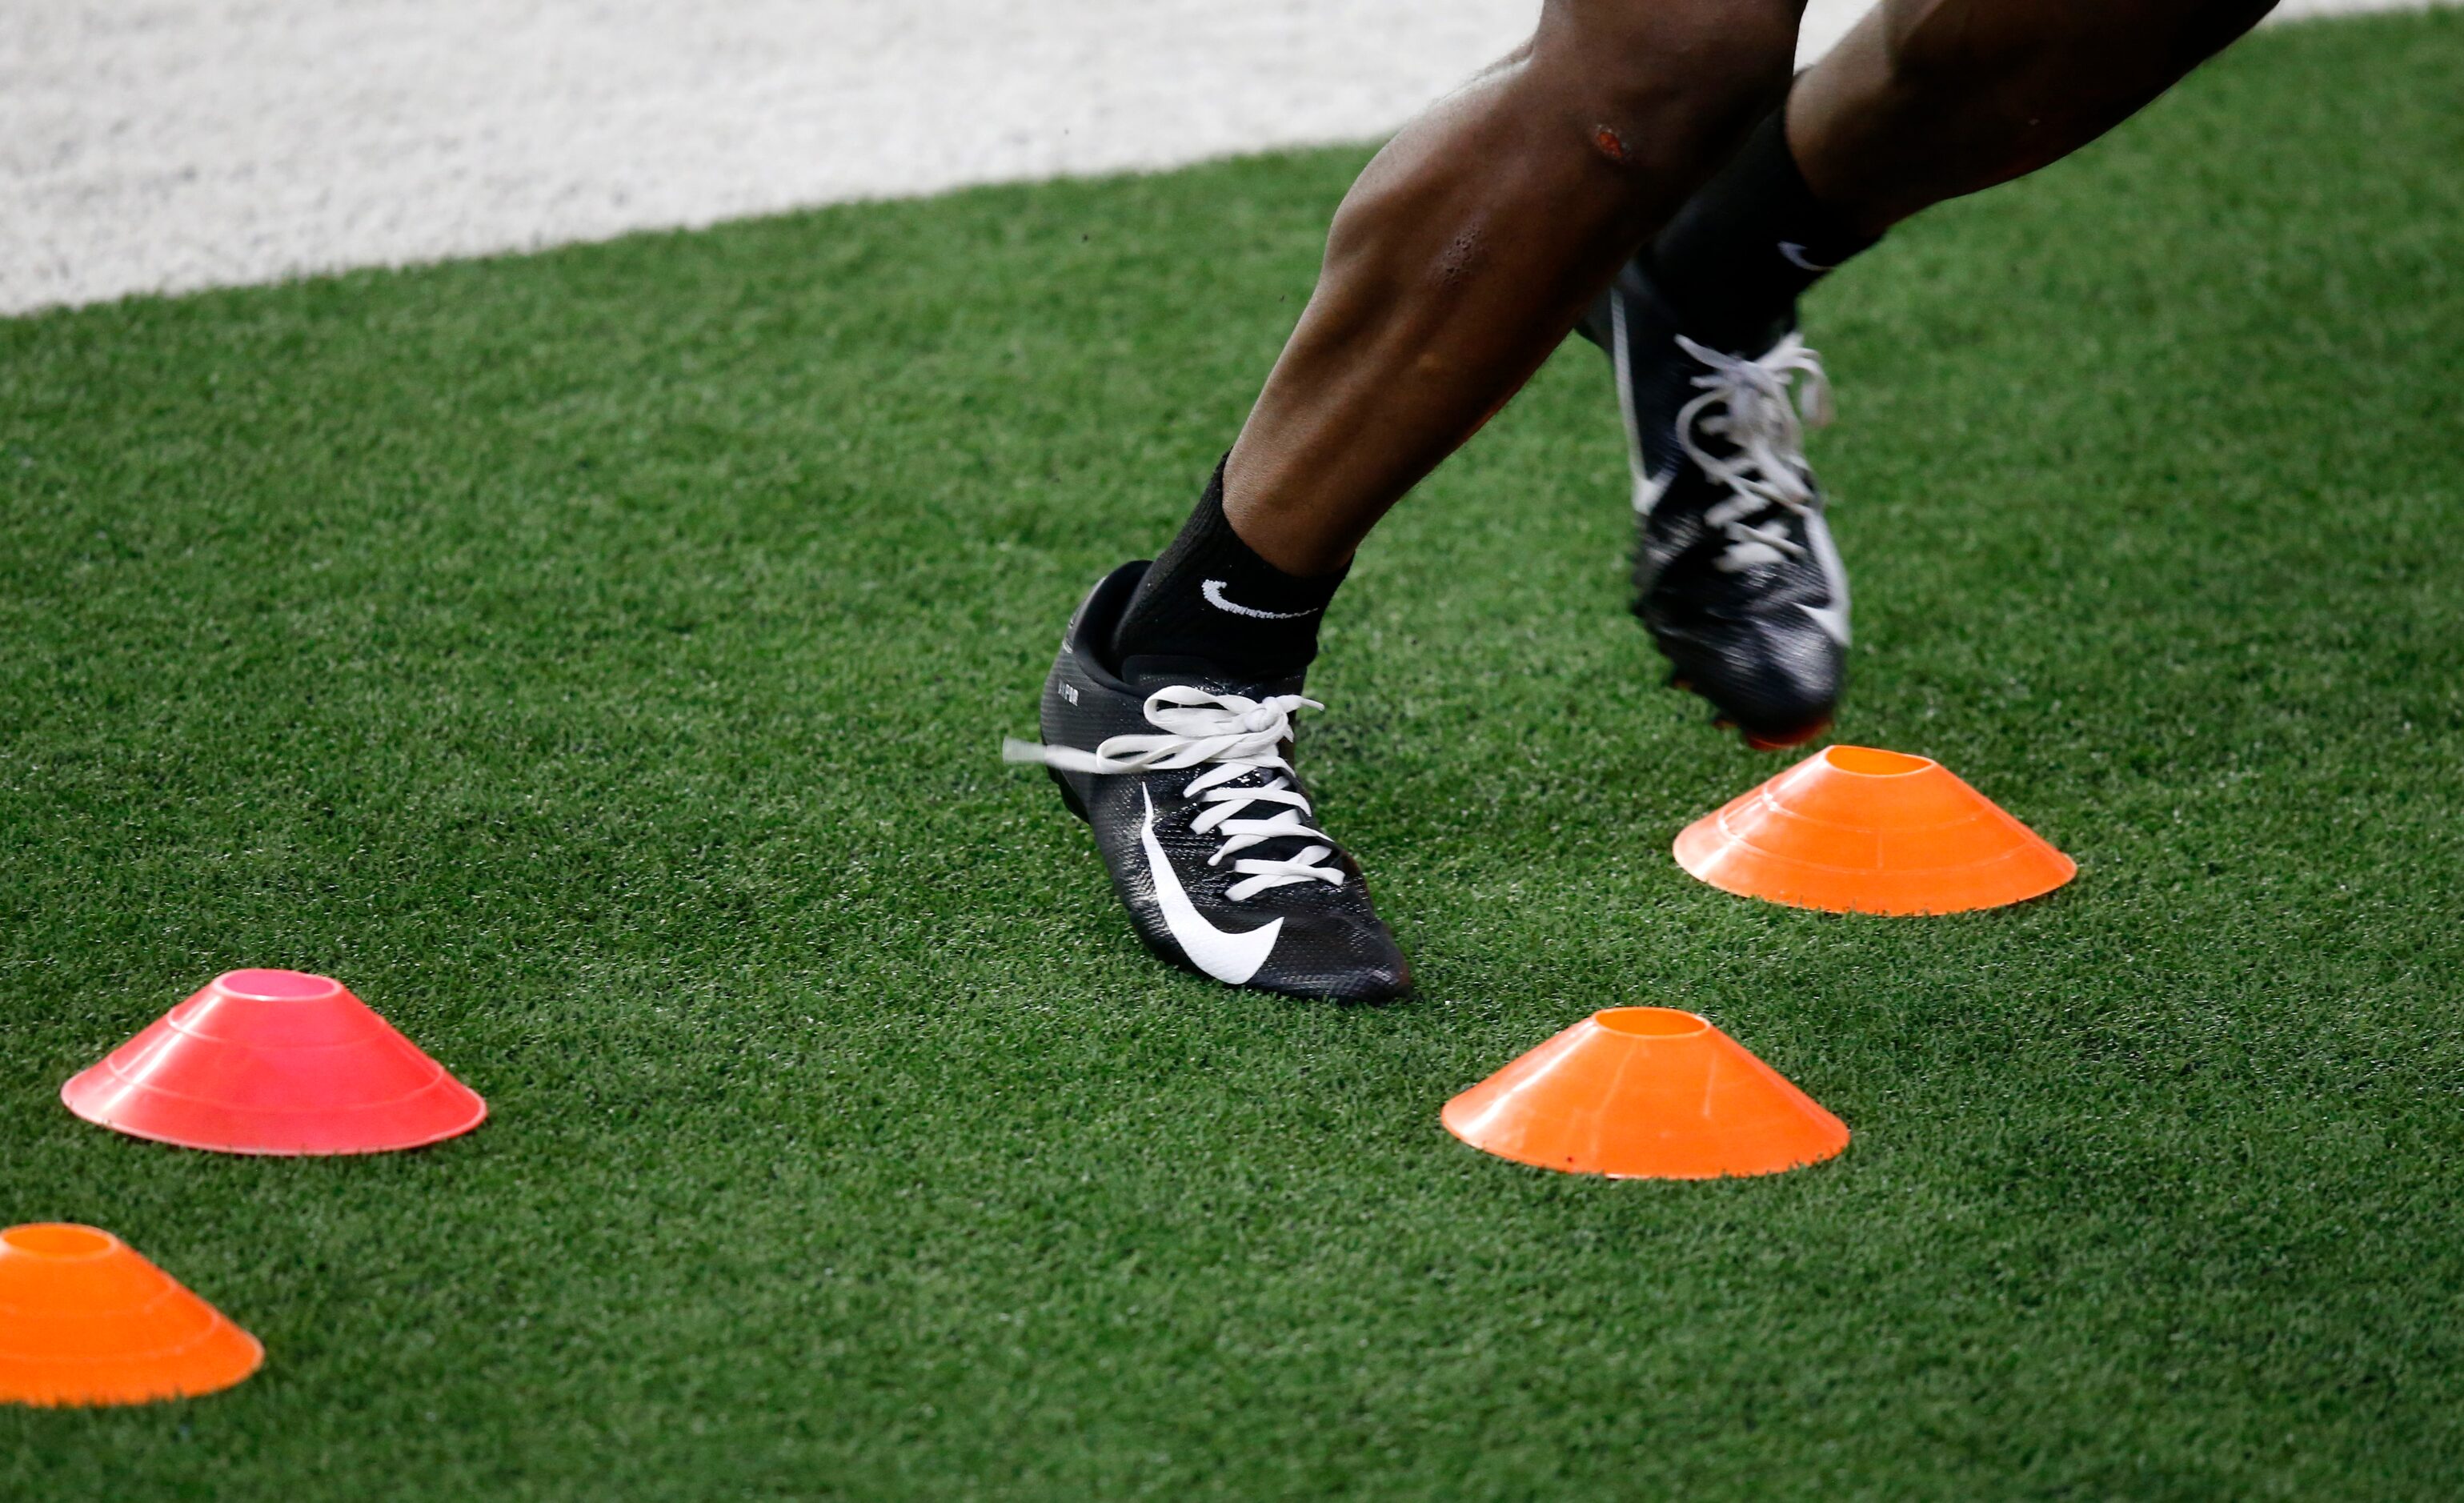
[1735, 569]
[1205, 828]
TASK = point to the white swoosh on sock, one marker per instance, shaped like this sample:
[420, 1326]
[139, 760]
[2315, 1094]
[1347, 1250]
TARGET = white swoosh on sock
[1213, 591]
[1796, 256]
[1229, 958]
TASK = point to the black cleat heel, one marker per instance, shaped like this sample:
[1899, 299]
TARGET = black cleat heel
[1069, 794]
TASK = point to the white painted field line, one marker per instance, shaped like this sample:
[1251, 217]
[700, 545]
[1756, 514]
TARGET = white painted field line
[157, 147]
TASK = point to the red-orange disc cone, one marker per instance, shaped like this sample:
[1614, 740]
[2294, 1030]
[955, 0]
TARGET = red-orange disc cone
[275, 1062]
[1853, 828]
[84, 1320]
[1645, 1093]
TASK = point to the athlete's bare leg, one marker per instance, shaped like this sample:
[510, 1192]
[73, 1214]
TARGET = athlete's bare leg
[1456, 264]
[1927, 100]
[1468, 247]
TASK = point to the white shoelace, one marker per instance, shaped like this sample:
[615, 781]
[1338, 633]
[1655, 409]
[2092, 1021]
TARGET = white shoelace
[1760, 421]
[1230, 735]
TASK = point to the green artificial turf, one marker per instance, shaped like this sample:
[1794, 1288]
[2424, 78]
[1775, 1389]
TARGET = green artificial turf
[598, 659]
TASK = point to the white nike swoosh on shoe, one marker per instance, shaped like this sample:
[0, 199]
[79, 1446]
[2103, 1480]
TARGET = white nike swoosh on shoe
[1832, 618]
[1213, 591]
[1229, 958]
[1622, 361]
[1833, 621]
[1648, 490]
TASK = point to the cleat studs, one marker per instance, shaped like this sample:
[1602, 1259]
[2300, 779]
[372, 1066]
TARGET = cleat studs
[1791, 740]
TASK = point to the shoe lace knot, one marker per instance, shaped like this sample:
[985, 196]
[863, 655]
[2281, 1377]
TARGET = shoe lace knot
[1228, 736]
[1758, 409]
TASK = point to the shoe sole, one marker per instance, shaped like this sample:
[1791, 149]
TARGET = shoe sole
[1755, 740]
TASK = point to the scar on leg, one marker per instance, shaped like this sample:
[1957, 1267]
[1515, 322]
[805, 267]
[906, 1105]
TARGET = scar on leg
[1458, 258]
[1610, 145]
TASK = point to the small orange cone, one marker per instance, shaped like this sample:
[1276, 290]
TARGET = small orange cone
[1645, 1093]
[84, 1320]
[275, 1062]
[1853, 828]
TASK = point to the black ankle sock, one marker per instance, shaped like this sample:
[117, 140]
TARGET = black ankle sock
[1210, 599]
[1735, 258]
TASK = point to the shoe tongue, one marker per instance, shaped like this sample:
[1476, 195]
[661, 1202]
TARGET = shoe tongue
[1750, 340]
[1147, 673]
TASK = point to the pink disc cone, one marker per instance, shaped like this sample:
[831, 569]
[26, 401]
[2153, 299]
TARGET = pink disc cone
[275, 1062]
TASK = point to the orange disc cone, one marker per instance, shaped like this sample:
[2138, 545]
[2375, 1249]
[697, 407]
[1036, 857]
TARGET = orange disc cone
[84, 1320]
[1645, 1093]
[275, 1062]
[1852, 828]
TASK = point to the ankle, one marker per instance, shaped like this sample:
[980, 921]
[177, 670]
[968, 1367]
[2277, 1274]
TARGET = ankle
[1211, 598]
[1748, 245]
